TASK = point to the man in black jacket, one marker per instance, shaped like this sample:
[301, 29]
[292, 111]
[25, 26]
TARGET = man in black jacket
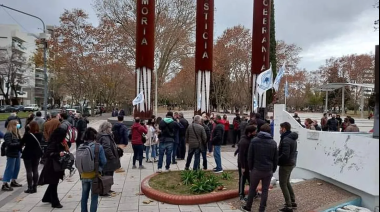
[242, 150]
[262, 162]
[287, 161]
[169, 128]
[217, 141]
[182, 132]
[259, 121]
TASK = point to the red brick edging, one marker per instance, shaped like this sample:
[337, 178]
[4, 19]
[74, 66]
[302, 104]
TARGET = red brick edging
[186, 200]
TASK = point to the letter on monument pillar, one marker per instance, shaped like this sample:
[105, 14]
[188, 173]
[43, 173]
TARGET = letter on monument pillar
[144, 21]
[265, 11]
[206, 7]
[144, 42]
[264, 30]
[205, 55]
[265, 3]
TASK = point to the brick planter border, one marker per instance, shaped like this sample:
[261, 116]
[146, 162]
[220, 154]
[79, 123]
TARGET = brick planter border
[186, 200]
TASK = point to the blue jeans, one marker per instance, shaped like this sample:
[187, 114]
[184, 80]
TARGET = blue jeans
[197, 158]
[167, 149]
[204, 158]
[174, 153]
[86, 189]
[153, 154]
[217, 157]
[12, 169]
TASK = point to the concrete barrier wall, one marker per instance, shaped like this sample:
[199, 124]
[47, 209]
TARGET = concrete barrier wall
[349, 159]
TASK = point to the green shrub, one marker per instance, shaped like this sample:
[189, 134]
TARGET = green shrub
[199, 174]
[226, 176]
[188, 177]
[206, 184]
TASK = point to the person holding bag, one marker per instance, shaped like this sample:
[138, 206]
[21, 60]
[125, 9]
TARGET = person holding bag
[12, 149]
[89, 168]
[55, 166]
[196, 138]
[31, 155]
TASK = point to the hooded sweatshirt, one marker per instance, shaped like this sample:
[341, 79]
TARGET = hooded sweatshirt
[262, 153]
[168, 129]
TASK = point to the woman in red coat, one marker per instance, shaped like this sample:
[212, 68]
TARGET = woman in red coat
[138, 131]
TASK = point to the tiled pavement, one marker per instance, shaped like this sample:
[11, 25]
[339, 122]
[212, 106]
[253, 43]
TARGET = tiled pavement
[127, 186]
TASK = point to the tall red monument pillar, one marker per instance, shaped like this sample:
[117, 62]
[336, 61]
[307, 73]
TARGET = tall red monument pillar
[145, 28]
[204, 54]
[260, 46]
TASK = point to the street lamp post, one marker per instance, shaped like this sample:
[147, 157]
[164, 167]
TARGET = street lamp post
[45, 49]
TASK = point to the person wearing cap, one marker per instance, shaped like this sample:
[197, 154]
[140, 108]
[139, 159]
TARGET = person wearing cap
[169, 129]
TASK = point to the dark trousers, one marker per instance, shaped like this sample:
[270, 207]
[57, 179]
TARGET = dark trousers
[286, 187]
[174, 153]
[236, 136]
[138, 153]
[181, 153]
[109, 173]
[243, 179]
[225, 139]
[256, 177]
[204, 158]
[51, 195]
[197, 158]
[31, 167]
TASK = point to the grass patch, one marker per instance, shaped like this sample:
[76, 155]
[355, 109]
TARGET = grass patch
[194, 182]
[21, 115]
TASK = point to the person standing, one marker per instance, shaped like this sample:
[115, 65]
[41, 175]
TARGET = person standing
[226, 124]
[105, 139]
[196, 138]
[31, 155]
[237, 135]
[340, 122]
[151, 143]
[262, 162]
[352, 127]
[138, 131]
[12, 149]
[287, 161]
[14, 116]
[333, 124]
[40, 121]
[211, 125]
[81, 126]
[182, 133]
[168, 129]
[324, 121]
[52, 125]
[259, 121]
[309, 124]
[242, 151]
[120, 136]
[89, 138]
[217, 141]
[205, 124]
[57, 148]
[176, 140]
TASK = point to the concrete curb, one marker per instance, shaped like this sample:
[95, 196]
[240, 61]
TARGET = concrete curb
[357, 201]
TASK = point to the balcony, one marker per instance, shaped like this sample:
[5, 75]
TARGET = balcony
[21, 37]
[18, 47]
[39, 76]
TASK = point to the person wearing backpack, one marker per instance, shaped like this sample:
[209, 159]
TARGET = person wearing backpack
[85, 163]
[31, 155]
[120, 135]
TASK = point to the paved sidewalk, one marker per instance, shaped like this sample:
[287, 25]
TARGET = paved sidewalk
[127, 186]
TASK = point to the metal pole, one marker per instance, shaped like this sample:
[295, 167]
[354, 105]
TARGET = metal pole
[156, 96]
[362, 103]
[45, 49]
[327, 101]
[376, 121]
[343, 97]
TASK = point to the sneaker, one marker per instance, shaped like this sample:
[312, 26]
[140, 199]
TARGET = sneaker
[142, 167]
[244, 208]
[15, 184]
[187, 169]
[286, 209]
[159, 171]
[134, 167]
[218, 171]
[6, 187]
[214, 169]
[121, 170]
[167, 170]
[174, 163]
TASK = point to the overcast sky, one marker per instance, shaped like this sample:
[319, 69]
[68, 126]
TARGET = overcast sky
[323, 28]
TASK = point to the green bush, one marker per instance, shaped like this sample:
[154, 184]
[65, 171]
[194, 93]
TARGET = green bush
[188, 177]
[226, 176]
[200, 181]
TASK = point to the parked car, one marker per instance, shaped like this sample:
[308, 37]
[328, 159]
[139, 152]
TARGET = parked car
[19, 108]
[31, 108]
[7, 109]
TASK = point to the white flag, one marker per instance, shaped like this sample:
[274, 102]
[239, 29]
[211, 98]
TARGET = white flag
[139, 99]
[265, 81]
[280, 74]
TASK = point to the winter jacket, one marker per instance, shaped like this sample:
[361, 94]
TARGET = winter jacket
[243, 126]
[40, 121]
[168, 129]
[208, 132]
[110, 150]
[196, 137]
[71, 120]
[12, 145]
[65, 124]
[260, 123]
[243, 148]
[218, 135]
[32, 146]
[288, 149]
[49, 128]
[333, 125]
[185, 124]
[137, 132]
[262, 153]
[226, 125]
[352, 128]
[81, 126]
[52, 153]
[122, 131]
